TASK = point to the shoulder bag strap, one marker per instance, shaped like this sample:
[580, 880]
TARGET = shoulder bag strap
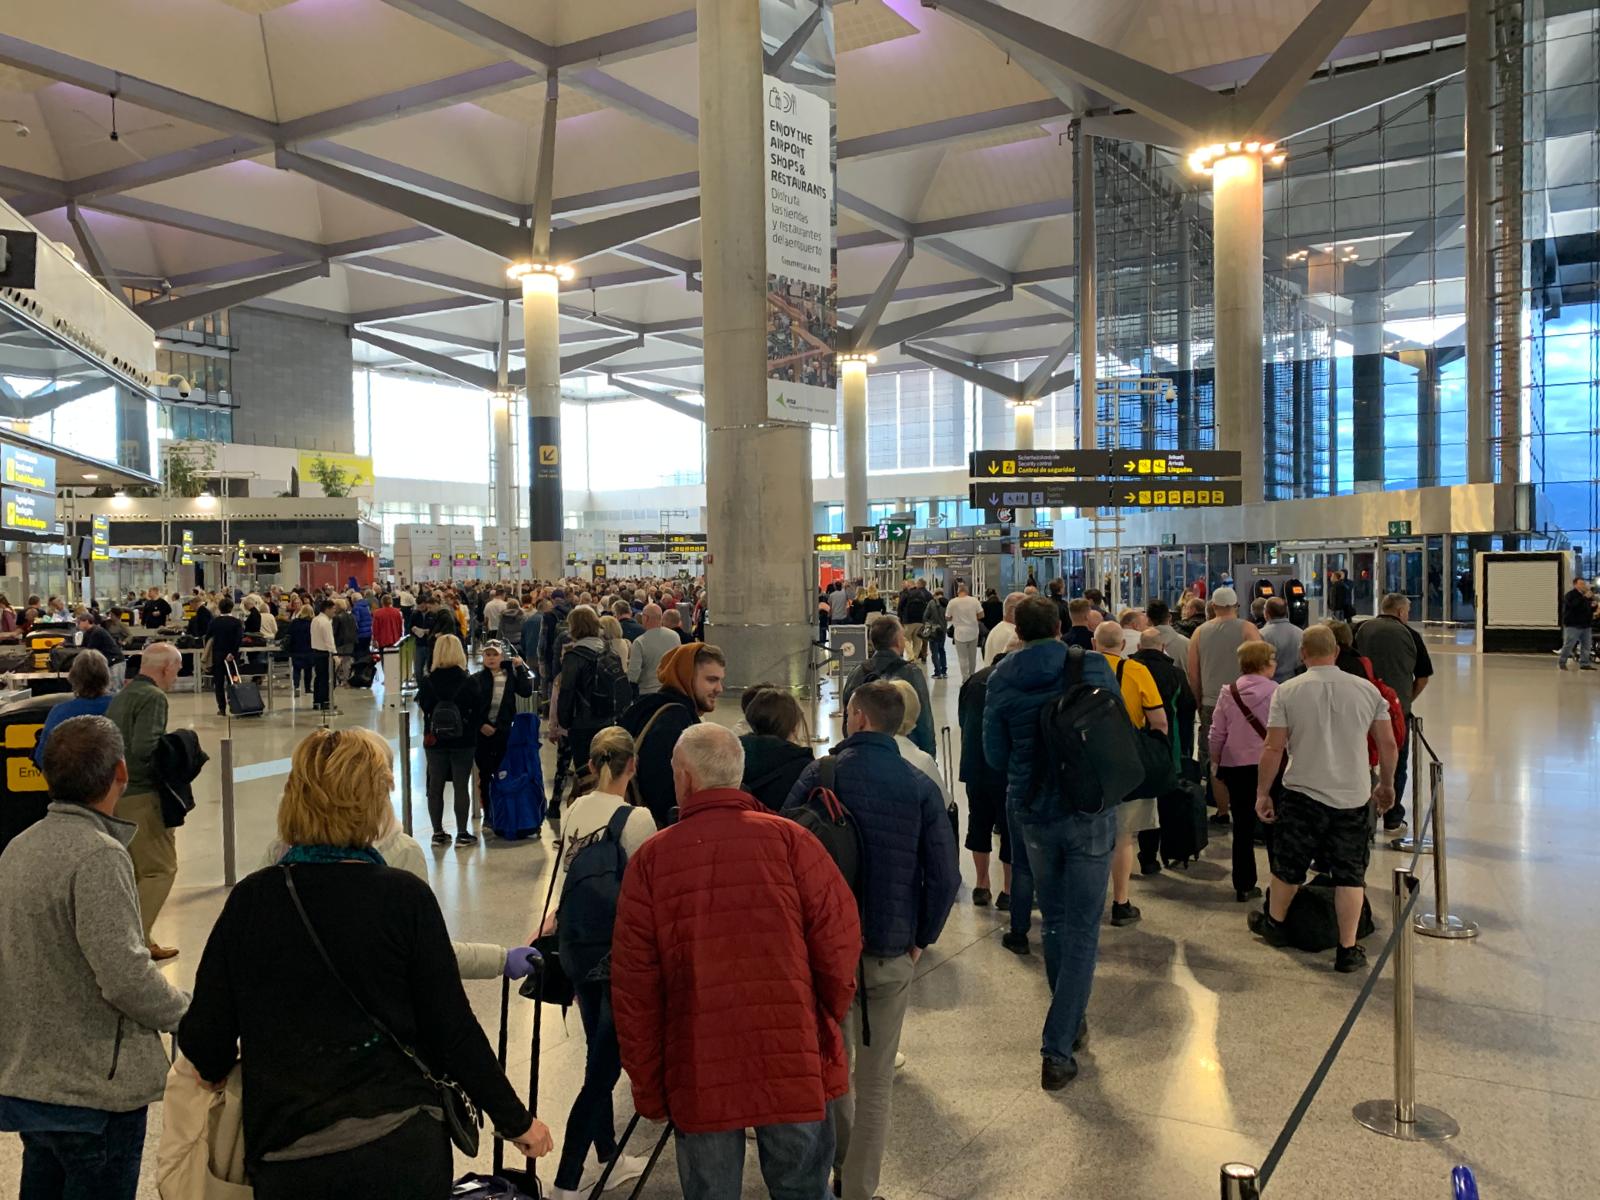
[1121, 662]
[322, 953]
[1255, 721]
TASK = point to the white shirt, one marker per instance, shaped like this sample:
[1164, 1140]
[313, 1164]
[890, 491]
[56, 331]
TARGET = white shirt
[1328, 713]
[491, 616]
[999, 638]
[1175, 644]
[322, 633]
[923, 761]
[405, 599]
[1130, 642]
[591, 813]
[964, 613]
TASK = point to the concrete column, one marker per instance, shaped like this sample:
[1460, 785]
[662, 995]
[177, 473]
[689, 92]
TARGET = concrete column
[288, 567]
[541, 352]
[1087, 310]
[1185, 310]
[758, 476]
[1236, 214]
[1022, 439]
[853, 385]
[1366, 388]
[504, 498]
[1479, 150]
[436, 514]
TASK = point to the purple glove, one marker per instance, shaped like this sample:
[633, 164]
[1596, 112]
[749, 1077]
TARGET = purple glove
[520, 961]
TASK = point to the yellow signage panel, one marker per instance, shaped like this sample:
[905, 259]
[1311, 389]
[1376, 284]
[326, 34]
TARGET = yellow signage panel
[549, 456]
[23, 776]
[22, 736]
[350, 470]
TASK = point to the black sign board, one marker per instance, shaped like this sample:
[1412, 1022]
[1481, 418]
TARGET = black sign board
[1141, 493]
[833, 543]
[545, 511]
[28, 512]
[661, 543]
[1028, 493]
[1174, 464]
[19, 253]
[1001, 465]
[1036, 541]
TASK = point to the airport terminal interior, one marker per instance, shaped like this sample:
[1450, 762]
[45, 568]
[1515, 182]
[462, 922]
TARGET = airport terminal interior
[1150, 304]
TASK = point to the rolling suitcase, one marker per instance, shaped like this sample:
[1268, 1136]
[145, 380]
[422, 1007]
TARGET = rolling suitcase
[1184, 828]
[649, 1168]
[362, 672]
[949, 766]
[244, 699]
[511, 1183]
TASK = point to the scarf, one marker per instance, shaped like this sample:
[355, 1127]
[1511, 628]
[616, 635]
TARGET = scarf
[328, 854]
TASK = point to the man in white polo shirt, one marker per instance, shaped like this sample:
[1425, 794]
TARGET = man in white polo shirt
[1323, 719]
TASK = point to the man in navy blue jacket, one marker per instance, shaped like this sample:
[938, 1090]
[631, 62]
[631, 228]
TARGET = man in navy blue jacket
[911, 882]
[1067, 855]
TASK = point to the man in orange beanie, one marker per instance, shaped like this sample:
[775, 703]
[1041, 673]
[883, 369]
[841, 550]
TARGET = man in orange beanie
[691, 680]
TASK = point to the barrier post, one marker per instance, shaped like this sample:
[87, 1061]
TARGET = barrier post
[405, 768]
[1239, 1182]
[816, 694]
[1402, 1117]
[1439, 923]
[1409, 842]
[230, 864]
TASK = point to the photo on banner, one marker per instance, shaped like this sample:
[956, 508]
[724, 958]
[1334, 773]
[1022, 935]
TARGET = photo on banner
[802, 261]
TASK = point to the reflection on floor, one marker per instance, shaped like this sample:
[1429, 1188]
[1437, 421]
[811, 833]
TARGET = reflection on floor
[1202, 1037]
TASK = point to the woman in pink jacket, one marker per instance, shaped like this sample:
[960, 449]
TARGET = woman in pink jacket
[1238, 728]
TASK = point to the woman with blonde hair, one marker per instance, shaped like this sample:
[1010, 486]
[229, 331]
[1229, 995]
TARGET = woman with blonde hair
[451, 715]
[909, 750]
[603, 813]
[330, 978]
[616, 641]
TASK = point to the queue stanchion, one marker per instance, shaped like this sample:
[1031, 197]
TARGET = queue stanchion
[1417, 744]
[230, 853]
[1402, 1117]
[816, 693]
[1240, 1182]
[1439, 923]
[405, 768]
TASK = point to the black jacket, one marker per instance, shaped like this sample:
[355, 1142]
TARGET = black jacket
[1173, 684]
[518, 683]
[96, 638]
[451, 683]
[227, 637]
[176, 762]
[311, 1058]
[678, 712]
[199, 623]
[771, 765]
[975, 770]
[1576, 610]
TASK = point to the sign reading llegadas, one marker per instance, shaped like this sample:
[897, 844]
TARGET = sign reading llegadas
[25, 469]
[27, 512]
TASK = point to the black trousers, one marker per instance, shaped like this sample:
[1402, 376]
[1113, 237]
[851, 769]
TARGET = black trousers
[412, 1163]
[455, 768]
[1241, 784]
[592, 1121]
[319, 678]
[219, 684]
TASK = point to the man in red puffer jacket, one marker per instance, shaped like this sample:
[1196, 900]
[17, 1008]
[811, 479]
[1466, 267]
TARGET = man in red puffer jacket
[732, 965]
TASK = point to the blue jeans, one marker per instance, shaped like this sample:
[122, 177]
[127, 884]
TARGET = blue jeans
[794, 1162]
[1021, 878]
[1576, 643]
[936, 649]
[1071, 861]
[85, 1166]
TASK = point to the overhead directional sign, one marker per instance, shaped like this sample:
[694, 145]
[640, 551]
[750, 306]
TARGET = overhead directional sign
[1036, 542]
[1002, 465]
[1209, 493]
[1205, 493]
[833, 543]
[1174, 464]
[1027, 493]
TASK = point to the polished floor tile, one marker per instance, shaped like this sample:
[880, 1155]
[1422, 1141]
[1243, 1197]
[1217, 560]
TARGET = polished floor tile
[1202, 1038]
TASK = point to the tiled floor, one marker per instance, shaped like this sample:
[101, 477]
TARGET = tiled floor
[1202, 1037]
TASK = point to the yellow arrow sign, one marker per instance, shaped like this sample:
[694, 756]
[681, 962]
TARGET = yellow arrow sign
[1127, 497]
[994, 468]
[1127, 466]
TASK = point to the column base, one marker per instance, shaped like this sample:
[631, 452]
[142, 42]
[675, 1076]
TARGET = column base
[778, 654]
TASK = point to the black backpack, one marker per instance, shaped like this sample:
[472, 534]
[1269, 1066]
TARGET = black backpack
[448, 723]
[609, 693]
[826, 818]
[589, 899]
[1088, 757]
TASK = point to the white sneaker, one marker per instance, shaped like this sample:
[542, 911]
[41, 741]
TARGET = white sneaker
[567, 1194]
[899, 1060]
[629, 1167]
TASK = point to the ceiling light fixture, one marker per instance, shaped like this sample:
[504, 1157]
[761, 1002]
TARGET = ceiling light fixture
[523, 269]
[1203, 160]
[869, 359]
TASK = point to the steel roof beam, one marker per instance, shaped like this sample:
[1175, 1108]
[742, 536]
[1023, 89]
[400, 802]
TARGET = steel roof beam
[479, 377]
[1000, 384]
[665, 399]
[175, 218]
[583, 359]
[929, 322]
[478, 28]
[574, 243]
[952, 129]
[93, 255]
[773, 62]
[1040, 378]
[859, 335]
[619, 45]
[416, 308]
[451, 283]
[407, 101]
[164, 314]
[612, 92]
[1258, 105]
[422, 181]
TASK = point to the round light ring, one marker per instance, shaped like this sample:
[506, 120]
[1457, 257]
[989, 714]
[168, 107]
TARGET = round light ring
[869, 359]
[1203, 160]
[522, 269]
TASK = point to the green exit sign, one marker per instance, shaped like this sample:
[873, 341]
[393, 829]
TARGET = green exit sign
[1399, 528]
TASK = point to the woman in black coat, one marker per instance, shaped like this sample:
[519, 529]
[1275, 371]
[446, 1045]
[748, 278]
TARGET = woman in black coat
[508, 675]
[775, 749]
[450, 742]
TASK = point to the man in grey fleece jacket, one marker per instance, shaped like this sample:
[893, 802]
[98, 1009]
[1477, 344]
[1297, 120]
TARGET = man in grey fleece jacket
[80, 1049]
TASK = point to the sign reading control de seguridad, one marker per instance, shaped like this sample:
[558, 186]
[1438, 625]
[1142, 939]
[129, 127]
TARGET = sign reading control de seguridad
[26, 469]
[27, 512]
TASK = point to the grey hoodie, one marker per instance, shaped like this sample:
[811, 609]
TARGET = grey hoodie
[83, 1002]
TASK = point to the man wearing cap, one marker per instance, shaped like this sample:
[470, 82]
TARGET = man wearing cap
[1213, 665]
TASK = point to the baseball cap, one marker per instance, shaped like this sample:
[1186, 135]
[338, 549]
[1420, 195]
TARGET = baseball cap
[1225, 597]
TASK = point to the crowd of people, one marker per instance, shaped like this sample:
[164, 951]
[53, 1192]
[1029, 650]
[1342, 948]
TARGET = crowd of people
[743, 963]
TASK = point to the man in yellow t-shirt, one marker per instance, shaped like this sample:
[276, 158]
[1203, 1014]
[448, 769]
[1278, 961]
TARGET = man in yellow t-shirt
[1143, 698]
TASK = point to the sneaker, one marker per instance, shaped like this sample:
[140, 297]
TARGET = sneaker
[1271, 932]
[1056, 1073]
[981, 897]
[1349, 958]
[1586, 667]
[465, 839]
[1561, 666]
[1395, 825]
[576, 1193]
[441, 838]
[1125, 914]
[899, 1060]
[629, 1167]
[1003, 902]
[1017, 943]
[1247, 895]
[1221, 820]
[162, 953]
[1149, 866]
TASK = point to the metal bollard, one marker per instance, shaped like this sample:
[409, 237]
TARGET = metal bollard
[405, 769]
[1409, 842]
[1402, 1117]
[1239, 1182]
[230, 854]
[816, 696]
[1439, 923]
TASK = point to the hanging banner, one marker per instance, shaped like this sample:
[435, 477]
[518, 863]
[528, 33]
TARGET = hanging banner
[802, 274]
[544, 493]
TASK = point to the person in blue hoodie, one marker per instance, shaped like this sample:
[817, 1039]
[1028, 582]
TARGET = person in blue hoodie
[361, 608]
[911, 881]
[1067, 855]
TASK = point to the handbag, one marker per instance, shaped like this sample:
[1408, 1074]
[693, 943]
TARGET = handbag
[461, 1115]
[1156, 757]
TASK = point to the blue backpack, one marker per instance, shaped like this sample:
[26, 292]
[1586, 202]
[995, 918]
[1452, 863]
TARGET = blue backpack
[516, 799]
[589, 900]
